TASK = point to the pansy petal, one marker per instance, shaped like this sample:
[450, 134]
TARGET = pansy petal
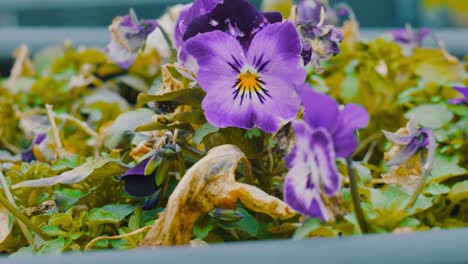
[274, 112]
[352, 117]
[238, 17]
[216, 53]
[198, 8]
[312, 165]
[273, 17]
[431, 147]
[320, 110]
[462, 90]
[222, 111]
[398, 138]
[321, 144]
[309, 11]
[464, 99]
[301, 187]
[404, 154]
[140, 185]
[282, 57]
[138, 169]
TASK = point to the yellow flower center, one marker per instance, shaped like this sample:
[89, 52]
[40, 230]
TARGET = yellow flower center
[249, 82]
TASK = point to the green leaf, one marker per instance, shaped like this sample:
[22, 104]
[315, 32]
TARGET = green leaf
[66, 197]
[193, 117]
[446, 167]
[112, 213]
[410, 222]
[203, 131]
[68, 162]
[53, 247]
[200, 232]
[54, 231]
[191, 97]
[248, 223]
[255, 132]
[134, 82]
[430, 115]
[350, 87]
[307, 227]
[94, 168]
[436, 189]
[115, 135]
[459, 191]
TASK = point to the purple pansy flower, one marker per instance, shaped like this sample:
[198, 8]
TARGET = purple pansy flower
[326, 133]
[238, 18]
[146, 178]
[253, 86]
[320, 40]
[128, 36]
[415, 141]
[409, 37]
[464, 99]
[140, 181]
[28, 155]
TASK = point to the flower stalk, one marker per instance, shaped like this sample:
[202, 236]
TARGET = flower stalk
[355, 197]
[58, 144]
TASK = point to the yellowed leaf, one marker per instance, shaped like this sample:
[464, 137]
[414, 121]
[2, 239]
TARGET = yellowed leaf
[4, 224]
[208, 184]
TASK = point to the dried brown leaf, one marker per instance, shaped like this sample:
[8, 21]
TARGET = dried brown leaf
[208, 184]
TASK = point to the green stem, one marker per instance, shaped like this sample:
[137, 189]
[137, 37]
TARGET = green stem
[421, 184]
[168, 41]
[356, 198]
[21, 217]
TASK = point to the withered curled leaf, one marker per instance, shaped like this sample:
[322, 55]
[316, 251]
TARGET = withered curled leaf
[208, 184]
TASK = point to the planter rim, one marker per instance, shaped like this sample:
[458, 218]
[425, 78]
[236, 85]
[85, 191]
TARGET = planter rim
[443, 246]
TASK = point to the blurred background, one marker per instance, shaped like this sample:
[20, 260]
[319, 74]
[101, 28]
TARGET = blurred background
[96, 13]
[44, 22]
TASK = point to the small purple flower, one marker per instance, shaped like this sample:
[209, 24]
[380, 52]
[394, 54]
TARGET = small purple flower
[146, 178]
[410, 38]
[140, 181]
[128, 36]
[414, 142]
[253, 86]
[28, 155]
[238, 18]
[320, 40]
[463, 100]
[326, 133]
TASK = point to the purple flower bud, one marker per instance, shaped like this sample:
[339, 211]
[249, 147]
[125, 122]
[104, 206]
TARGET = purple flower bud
[410, 38]
[416, 140]
[320, 40]
[128, 36]
[28, 155]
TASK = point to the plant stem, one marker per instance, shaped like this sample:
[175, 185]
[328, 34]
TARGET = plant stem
[421, 184]
[27, 234]
[355, 197]
[21, 217]
[58, 144]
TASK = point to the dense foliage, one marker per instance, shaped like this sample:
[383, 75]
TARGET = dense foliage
[106, 160]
